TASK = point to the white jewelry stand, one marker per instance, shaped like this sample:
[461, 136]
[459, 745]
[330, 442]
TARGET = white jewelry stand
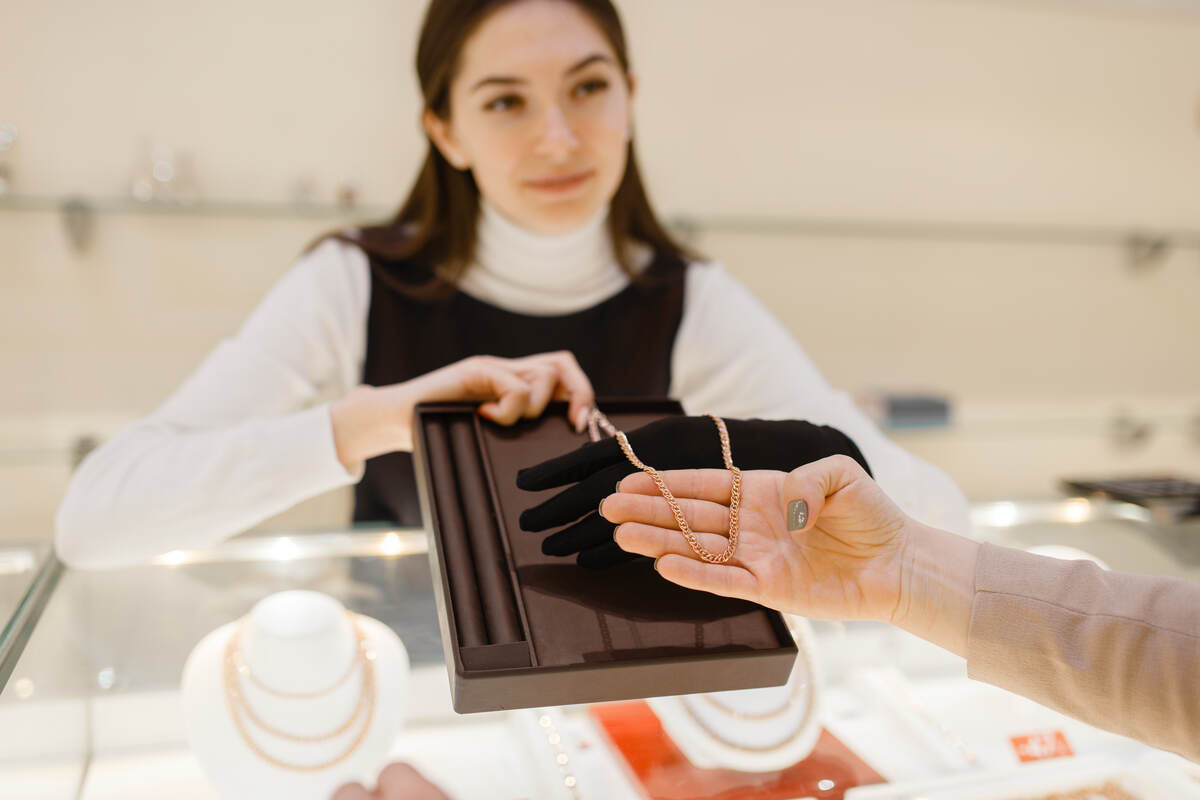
[751, 730]
[298, 643]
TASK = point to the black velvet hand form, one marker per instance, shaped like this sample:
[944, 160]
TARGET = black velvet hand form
[671, 443]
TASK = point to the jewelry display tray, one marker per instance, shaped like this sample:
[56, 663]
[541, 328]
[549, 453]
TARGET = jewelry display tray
[521, 629]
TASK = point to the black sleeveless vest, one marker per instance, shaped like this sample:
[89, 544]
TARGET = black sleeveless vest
[623, 344]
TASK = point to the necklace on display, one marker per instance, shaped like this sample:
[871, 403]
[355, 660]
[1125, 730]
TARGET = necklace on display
[755, 716]
[720, 728]
[710, 730]
[597, 422]
[239, 706]
[355, 659]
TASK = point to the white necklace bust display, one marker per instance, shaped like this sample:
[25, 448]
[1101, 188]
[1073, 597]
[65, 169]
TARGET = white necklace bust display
[294, 700]
[751, 730]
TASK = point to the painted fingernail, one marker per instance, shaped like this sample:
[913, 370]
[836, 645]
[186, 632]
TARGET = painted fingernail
[618, 488]
[797, 515]
[601, 508]
[656, 563]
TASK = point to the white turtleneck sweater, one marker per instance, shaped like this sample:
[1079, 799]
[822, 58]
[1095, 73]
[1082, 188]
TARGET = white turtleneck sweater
[544, 275]
[249, 433]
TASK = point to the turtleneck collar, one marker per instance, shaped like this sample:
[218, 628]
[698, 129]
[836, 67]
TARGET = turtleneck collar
[542, 274]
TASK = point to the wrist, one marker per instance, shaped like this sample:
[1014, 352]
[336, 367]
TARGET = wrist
[369, 421]
[937, 587]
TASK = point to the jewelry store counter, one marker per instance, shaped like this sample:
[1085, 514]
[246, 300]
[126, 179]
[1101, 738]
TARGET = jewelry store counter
[92, 664]
[27, 576]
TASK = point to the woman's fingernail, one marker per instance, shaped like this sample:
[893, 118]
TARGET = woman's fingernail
[618, 489]
[656, 563]
[601, 509]
[797, 515]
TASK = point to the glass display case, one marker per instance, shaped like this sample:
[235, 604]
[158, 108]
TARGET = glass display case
[27, 571]
[91, 664]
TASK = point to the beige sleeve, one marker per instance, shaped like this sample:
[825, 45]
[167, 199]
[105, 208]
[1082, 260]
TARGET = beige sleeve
[1119, 651]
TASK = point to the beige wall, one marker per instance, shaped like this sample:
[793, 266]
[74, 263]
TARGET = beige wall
[943, 111]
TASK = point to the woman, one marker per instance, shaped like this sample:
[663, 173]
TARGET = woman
[1115, 650]
[528, 236]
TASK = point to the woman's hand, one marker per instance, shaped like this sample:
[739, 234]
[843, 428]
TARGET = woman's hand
[822, 541]
[844, 562]
[675, 442]
[397, 781]
[370, 421]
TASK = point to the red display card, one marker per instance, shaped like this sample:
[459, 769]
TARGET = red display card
[666, 774]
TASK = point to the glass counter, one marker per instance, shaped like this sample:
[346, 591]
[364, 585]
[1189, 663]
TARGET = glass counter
[22, 568]
[92, 661]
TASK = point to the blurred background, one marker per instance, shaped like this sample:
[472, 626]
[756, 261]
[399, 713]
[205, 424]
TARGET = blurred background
[991, 207]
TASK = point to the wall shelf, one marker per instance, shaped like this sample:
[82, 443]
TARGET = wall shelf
[1144, 246]
[938, 230]
[201, 208]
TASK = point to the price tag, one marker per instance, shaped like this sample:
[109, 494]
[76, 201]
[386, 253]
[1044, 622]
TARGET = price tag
[1039, 746]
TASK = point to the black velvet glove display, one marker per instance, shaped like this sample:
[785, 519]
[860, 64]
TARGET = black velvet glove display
[671, 443]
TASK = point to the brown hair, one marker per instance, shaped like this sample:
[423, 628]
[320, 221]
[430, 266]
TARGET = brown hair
[435, 227]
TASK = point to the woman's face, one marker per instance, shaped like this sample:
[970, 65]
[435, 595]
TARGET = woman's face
[540, 113]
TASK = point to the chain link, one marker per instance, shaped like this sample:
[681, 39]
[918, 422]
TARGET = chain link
[597, 421]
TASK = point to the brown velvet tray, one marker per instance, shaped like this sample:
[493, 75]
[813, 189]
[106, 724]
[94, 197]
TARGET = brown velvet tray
[522, 629]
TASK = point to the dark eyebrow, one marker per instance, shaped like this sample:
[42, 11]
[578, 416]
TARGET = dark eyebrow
[502, 80]
[592, 59]
[508, 80]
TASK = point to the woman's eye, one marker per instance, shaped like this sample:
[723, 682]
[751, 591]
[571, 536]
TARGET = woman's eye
[589, 87]
[506, 102]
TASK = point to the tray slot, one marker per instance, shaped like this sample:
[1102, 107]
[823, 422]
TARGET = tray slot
[483, 534]
[460, 567]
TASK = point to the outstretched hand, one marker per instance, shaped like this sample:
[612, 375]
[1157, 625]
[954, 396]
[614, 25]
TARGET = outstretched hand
[843, 559]
[673, 443]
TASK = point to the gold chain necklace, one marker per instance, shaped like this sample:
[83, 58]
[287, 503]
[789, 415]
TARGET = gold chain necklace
[788, 738]
[597, 421]
[239, 706]
[244, 670]
[756, 716]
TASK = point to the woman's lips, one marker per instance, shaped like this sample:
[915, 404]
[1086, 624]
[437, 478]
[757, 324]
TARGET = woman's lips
[560, 183]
